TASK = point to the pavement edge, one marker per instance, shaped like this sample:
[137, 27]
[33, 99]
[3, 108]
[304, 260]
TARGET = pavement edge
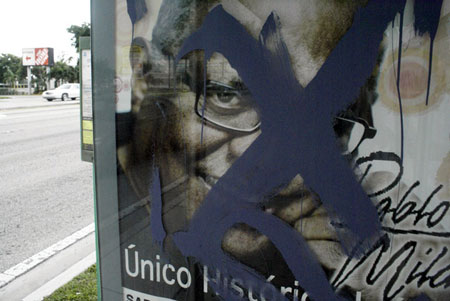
[34, 272]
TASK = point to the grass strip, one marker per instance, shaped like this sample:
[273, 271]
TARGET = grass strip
[82, 288]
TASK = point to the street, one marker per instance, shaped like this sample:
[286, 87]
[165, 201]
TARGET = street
[46, 191]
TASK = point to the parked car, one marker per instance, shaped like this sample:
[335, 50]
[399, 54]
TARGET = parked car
[63, 92]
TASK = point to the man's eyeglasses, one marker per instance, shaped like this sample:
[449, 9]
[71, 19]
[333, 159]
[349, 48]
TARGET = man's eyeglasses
[354, 130]
[232, 108]
[228, 107]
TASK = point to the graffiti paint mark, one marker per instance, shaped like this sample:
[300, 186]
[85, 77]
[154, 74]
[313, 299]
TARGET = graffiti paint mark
[157, 227]
[399, 64]
[315, 106]
[427, 20]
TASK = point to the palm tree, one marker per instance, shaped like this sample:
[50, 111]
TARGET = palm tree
[10, 77]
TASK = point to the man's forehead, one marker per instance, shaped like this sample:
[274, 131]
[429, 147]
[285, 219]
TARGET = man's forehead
[219, 69]
[310, 29]
[178, 19]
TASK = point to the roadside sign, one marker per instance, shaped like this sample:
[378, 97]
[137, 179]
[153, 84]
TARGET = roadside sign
[87, 126]
[28, 57]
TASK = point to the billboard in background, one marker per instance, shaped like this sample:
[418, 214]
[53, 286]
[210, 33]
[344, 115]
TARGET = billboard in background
[37, 57]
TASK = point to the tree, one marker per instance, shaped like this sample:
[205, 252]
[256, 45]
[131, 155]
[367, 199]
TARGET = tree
[39, 77]
[79, 31]
[11, 69]
[63, 72]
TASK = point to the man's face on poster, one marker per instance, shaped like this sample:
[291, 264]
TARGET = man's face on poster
[198, 129]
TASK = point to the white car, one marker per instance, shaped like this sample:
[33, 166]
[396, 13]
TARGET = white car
[64, 92]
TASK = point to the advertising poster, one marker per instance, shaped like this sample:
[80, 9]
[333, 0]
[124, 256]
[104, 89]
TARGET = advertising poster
[283, 150]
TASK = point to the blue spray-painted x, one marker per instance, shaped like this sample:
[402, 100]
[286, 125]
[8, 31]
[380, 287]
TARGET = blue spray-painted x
[297, 138]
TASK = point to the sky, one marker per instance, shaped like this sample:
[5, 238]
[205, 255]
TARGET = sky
[40, 24]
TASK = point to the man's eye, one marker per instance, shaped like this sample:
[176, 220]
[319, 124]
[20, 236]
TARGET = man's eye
[225, 96]
[226, 100]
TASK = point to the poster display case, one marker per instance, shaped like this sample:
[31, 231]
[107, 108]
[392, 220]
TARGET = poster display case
[272, 150]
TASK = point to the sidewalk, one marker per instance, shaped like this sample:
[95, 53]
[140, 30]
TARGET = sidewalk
[43, 273]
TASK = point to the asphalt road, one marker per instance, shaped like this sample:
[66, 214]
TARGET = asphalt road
[46, 191]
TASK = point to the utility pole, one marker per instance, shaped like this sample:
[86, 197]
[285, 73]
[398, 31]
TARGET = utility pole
[47, 80]
[29, 79]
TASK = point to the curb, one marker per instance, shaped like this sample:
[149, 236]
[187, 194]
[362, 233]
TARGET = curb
[34, 272]
[63, 278]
